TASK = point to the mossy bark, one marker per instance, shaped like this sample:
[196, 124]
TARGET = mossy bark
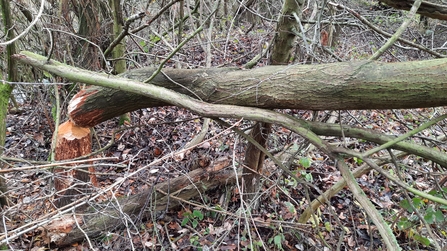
[119, 63]
[6, 89]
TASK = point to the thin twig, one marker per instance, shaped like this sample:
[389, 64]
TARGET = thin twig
[44, 166]
[384, 229]
[155, 73]
[398, 32]
[82, 230]
[380, 31]
[56, 123]
[39, 14]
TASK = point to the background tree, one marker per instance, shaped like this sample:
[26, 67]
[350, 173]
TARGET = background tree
[282, 45]
[5, 87]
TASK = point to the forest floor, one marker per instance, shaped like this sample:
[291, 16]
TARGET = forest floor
[219, 219]
[196, 225]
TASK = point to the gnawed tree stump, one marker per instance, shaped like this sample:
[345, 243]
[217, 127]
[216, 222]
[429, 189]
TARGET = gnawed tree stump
[72, 141]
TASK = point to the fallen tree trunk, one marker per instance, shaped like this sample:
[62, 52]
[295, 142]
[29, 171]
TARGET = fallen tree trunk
[427, 9]
[338, 86]
[95, 222]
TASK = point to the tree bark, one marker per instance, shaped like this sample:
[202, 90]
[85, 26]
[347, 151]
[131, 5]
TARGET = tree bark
[119, 65]
[119, 62]
[89, 17]
[338, 86]
[341, 86]
[6, 89]
[427, 9]
[284, 40]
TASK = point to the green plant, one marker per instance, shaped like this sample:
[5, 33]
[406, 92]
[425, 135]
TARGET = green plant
[144, 46]
[431, 213]
[277, 240]
[358, 161]
[154, 39]
[194, 240]
[305, 162]
[192, 218]
[106, 238]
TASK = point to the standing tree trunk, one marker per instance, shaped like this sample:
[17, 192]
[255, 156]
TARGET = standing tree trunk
[6, 89]
[89, 15]
[119, 63]
[283, 43]
[284, 40]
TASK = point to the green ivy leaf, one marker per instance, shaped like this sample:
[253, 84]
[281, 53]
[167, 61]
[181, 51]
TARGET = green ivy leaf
[309, 177]
[406, 205]
[305, 162]
[403, 223]
[290, 207]
[418, 202]
[195, 223]
[277, 240]
[421, 239]
[439, 216]
[185, 221]
[197, 214]
[358, 161]
[430, 215]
